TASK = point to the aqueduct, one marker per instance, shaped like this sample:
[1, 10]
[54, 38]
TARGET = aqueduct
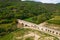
[50, 31]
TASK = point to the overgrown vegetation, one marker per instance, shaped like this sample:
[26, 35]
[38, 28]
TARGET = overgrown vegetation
[40, 18]
[10, 10]
[24, 31]
[55, 20]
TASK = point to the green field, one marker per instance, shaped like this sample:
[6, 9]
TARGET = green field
[55, 20]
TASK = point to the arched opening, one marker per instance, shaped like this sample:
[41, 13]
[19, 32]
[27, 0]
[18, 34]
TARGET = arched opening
[22, 24]
[52, 31]
[41, 28]
[46, 29]
[26, 25]
[59, 33]
[56, 32]
[38, 27]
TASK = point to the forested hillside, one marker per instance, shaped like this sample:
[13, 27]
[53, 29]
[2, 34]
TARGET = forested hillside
[11, 10]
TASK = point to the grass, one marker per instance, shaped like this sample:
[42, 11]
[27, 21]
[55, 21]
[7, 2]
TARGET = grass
[55, 20]
[29, 38]
[7, 37]
[22, 32]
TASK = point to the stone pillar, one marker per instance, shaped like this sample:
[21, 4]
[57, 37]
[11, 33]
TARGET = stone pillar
[20, 25]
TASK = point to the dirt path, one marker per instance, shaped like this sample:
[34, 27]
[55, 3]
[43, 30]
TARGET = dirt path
[42, 24]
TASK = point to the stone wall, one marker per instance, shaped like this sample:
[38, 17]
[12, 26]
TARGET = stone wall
[43, 29]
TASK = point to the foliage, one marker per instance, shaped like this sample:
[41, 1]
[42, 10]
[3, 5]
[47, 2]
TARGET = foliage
[25, 31]
[10, 10]
[40, 18]
[55, 20]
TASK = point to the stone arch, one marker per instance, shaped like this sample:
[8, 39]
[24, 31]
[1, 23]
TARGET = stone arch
[56, 32]
[52, 31]
[41, 28]
[46, 29]
[22, 24]
[26, 25]
[38, 27]
[59, 33]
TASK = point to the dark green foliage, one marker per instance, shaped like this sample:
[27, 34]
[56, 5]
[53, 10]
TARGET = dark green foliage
[7, 27]
[22, 10]
[10, 10]
[40, 18]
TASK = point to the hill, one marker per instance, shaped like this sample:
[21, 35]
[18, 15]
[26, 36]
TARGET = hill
[54, 23]
[11, 10]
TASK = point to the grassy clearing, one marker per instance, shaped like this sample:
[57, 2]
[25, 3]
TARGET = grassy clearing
[54, 23]
[55, 20]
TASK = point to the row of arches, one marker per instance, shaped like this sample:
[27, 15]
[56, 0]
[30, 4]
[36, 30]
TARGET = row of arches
[43, 29]
[50, 31]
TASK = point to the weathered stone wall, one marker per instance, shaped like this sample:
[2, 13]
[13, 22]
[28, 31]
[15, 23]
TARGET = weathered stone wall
[43, 29]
